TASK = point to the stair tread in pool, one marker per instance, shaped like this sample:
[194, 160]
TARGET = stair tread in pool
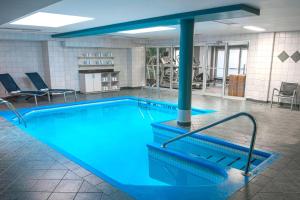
[224, 158]
[226, 161]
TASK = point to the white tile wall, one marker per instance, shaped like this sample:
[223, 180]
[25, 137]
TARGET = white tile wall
[287, 71]
[18, 57]
[136, 70]
[63, 64]
[57, 61]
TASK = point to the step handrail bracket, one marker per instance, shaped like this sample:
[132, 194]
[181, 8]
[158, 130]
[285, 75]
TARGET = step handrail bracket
[237, 115]
[13, 109]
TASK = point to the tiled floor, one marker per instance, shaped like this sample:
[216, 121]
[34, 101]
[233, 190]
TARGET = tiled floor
[32, 170]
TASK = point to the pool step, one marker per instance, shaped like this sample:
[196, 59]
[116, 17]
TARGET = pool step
[226, 161]
[194, 165]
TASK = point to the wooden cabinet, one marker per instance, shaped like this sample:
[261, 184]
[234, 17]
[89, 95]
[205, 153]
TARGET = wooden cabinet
[99, 82]
[236, 85]
[90, 82]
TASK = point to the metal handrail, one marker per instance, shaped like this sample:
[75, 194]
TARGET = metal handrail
[13, 109]
[164, 145]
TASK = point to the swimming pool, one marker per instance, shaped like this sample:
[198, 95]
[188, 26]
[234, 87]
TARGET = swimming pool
[115, 139]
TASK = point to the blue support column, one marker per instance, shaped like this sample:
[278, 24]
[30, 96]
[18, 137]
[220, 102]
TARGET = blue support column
[185, 72]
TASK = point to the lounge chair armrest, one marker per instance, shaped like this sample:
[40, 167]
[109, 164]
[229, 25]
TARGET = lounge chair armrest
[15, 92]
[275, 89]
[44, 90]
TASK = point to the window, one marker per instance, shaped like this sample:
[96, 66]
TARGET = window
[237, 60]
[243, 61]
[220, 63]
[233, 61]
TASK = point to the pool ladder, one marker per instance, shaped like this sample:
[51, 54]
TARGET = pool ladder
[13, 109]
[150, 92]
[247, 169]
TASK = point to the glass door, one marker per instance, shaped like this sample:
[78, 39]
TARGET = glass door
[215, 71]
[165, 67]
[151, 67]
[226, 70]
[236, 76]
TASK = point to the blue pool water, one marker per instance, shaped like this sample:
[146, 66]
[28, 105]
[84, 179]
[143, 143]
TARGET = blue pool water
[111, 137]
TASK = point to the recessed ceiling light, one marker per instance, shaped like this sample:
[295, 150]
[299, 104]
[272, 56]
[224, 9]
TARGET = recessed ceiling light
[50, 20]
[254, 28]
[148, 30]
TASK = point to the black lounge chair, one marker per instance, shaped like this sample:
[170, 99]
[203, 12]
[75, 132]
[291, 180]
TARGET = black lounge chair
[39, 83]
[286, 91]
[13, 89]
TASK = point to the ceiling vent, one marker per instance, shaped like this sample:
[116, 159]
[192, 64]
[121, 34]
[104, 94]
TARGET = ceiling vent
[226, 22]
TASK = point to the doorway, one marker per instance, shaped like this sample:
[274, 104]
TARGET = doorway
[226, 70]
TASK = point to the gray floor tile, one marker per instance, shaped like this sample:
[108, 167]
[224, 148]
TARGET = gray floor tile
[292, 196]
[45, 185]
[58, 165]
[22, 185]
[87, 187]
[276, 186]
[250, 190]
[95, 180]
[9, 196]
[34, 195]
[54, 174]
[68, 186]
[62, 196]
[269, 196]
[261, 180]
[88, 196]
[34, 173]
[81, 172]
[71, 176]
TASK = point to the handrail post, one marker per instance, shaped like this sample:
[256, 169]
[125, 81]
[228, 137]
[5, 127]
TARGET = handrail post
[247, 170]
[12, 108]
[251, 149]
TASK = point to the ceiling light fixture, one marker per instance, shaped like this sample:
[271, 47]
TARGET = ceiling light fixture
[254, 28]
[148, 30]
[50, 20]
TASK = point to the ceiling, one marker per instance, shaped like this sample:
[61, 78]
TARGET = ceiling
[276, 15]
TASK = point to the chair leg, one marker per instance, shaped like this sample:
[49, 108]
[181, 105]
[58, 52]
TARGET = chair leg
[272, 101]
[65, 97]
[292, 103]
[75, 94]
[296, 102]
[49, 98]
[35, 99]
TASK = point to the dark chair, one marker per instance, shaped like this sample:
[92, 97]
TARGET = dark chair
[13, 89]
[286, 91]
[39, 83]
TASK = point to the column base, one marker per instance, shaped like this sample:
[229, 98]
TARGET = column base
[186, 124]
[184, 118]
